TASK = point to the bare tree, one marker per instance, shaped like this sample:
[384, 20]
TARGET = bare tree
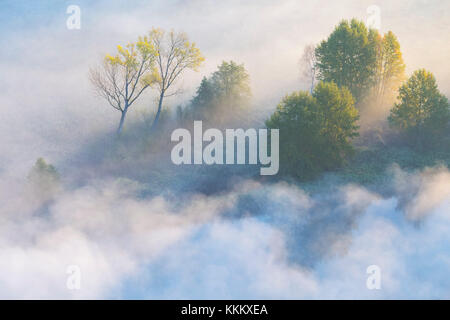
[124, 77]
[175, 54]
[308, 65]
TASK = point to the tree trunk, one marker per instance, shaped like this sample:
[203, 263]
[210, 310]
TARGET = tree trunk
[122, 120]
[155, 121]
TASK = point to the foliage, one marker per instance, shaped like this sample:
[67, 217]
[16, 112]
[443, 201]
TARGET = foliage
[422, 112]
[203, 104]
[157, 59]
[43, 180]
[315, 130]
[348, 57]
[390, 66]
[175, 54]
[223, 95]
[125, 76]
[231, 82]
[370, 166]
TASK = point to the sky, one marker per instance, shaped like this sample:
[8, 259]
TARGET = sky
[294, 245]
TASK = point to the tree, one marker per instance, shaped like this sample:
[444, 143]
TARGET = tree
[348, 57]
[206, 97]
[124, 77]
[231, 81]
[316, 130]
[422, 111]
[175, 54]
[44, 180]
[308, 65]
[390, 68]
[225, 93]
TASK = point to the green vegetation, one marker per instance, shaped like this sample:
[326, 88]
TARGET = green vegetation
[372, 67]
[43, 180]
[156, 60]
[223, 96]
[370, 165]
[361, 73]
[362, 60]
[42, 171]
[315, 130]
[423, 112]
[348, 57]
[390, 69]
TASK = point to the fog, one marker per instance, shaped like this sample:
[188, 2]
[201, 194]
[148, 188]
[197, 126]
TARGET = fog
[142, 228]
[255, 241]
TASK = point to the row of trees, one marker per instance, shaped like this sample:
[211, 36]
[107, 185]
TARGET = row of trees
[353, 67]
[157, 60]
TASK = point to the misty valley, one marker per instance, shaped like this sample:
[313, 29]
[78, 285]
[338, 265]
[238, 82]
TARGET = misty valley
[305, 156]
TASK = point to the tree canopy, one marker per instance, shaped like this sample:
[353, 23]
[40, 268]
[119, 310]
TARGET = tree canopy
[157, 59]
[175, 54]
[125, 76]
[315, 130]
[422, 112]
[43, 180]
[223, 95]
[390, 69]
[348, 57]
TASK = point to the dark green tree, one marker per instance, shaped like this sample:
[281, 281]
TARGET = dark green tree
[349, 57]
[422, 112]
[205, 100]
[315, 130]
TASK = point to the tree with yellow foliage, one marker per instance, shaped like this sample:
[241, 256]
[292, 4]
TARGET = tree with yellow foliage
[174, 54]
[124, 77]
[390, 68]
[155, 60]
